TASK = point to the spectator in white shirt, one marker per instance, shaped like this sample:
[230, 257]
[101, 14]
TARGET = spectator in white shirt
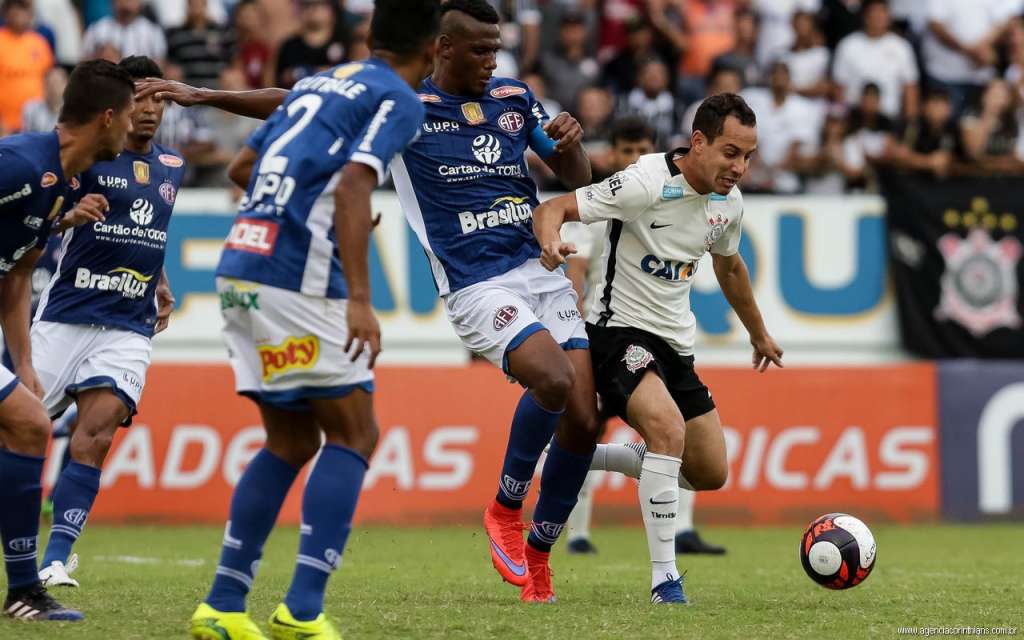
[789, 130]
[62, 17]
[128, 32]
[959, 48]
[41, 115]
[808, 58]
[876, 55]
[776, 33]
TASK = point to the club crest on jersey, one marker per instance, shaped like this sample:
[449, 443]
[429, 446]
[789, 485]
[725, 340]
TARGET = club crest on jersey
[507, 92]
[141, 171]
[637, 358]
[487, 149]
[473, 113]
[718, 223]
[141, 212]
[168, 160]
[512, 121]
[168, 192]
[428, 97]
[49, 179]
[505, 316]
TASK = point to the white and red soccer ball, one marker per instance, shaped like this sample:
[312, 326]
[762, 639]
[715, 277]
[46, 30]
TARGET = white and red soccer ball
[838, 551]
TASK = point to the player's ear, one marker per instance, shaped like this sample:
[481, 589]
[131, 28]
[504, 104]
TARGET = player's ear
[697, 141]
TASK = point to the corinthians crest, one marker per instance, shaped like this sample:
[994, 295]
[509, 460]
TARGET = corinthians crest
[718, 223]
[979, 285]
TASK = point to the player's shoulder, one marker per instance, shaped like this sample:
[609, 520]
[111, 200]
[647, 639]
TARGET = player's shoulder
[30, 157]
[651, 168]
[733, 200]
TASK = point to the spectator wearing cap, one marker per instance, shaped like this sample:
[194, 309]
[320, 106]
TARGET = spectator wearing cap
[776, 35]
[743, 56]
[653, 101]
[25, 58]
[203, 49]
[568, 69]
[959, 47]
[808, 59]
[789, 128]
[314, 48]
[41, 115]
[128, 32]
[876, 55]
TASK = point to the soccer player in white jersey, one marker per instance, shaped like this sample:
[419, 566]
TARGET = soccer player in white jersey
[630, 137]
[665, 212]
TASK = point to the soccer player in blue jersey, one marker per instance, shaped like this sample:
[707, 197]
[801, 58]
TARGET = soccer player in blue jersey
[91, 339]
[466, 191]
[295, 295]
[93, 124]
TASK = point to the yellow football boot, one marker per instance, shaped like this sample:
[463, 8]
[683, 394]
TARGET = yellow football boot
[210, 624]
[284, 626]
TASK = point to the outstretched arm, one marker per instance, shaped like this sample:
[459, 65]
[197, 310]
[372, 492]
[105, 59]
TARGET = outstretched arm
[547, 224]
[259, 103]
[734, 279]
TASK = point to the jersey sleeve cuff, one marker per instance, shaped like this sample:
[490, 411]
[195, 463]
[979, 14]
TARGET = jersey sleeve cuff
[583, 206]
[373, 162]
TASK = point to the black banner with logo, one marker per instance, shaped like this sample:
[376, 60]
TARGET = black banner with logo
[956, 248]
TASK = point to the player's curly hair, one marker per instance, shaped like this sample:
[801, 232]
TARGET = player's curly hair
[403, 27]
[93, 87]
[476, 9]
[712, 113]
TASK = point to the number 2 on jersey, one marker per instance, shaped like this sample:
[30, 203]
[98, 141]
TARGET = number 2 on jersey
[270, 180]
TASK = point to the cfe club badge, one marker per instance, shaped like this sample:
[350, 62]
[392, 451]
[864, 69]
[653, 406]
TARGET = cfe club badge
[141, 170]
[637, 358]
[473, 113]
[979, 285]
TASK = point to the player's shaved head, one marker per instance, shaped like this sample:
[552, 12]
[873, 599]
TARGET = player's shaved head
[468, 46]
[459, 17]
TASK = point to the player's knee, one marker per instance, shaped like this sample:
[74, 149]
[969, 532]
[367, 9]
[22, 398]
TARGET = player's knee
[583, 428]
[665, 436]
[554, 387]
[30, 434]
[90, 446]
[711, 479]
[363, 439]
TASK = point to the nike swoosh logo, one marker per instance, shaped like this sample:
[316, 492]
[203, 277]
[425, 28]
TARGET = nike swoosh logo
[653, 501]
[655, 225]
[517, 569]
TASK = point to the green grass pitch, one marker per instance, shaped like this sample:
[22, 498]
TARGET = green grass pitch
[144, 582]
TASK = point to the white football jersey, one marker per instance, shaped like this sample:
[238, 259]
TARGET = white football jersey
[659, 229]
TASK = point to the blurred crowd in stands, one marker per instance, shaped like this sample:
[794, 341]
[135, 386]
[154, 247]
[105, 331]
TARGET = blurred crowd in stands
[840, 87]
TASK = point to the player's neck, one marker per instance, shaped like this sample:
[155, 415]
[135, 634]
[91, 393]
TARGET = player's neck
[141, 146]
[691, 175]
[411, 73]
[447, 82]
[77, 153]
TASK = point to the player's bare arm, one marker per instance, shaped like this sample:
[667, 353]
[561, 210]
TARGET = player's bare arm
[569, 162]
[547, 223]
[734, 279]
[165, 302]
[259, 103]
[240, 169]
[353, 220]
[15, 314]
[91, 208]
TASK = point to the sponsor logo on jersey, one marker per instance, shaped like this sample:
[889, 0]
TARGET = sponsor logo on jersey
[291, 355]
[507, 92]
[240, 297]
[24, 192]
[49, 179]
[428, 97]
[615, 183]
[76, 517]
[473, 113]
[506, 210]
[637, 358]
[254, 236]
[348, 70]
[139, 232]
[131, 380]
[512, 121]
[33, 222]
[446, 126]
[168, 192]
[464, 172]
[378, 121]
[171, 161]
[141, 212]
[672, 270]
[671, 192]
[569, 315]
[141, 171]
[487, 149]
[505, 316]
[131, 284]
[113, 182]
[718, 223]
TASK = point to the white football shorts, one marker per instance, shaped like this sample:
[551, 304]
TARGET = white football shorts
[494, 317]
[71, 358]
[8, 382]
[286, 347]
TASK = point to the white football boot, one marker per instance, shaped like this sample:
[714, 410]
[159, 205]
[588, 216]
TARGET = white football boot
[58, 574]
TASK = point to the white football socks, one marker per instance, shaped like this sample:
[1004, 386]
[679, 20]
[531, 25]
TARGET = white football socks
[626, 459]
[659, 502]
[684, 517]
[579, 520]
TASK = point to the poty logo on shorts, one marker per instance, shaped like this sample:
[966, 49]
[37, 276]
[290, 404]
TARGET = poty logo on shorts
[141, 212]
[514, 489]
[486, 149]
[505, 316]
[512, 121]
[76, 517]
[637, 358]
[22, 545]
[291, 355]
